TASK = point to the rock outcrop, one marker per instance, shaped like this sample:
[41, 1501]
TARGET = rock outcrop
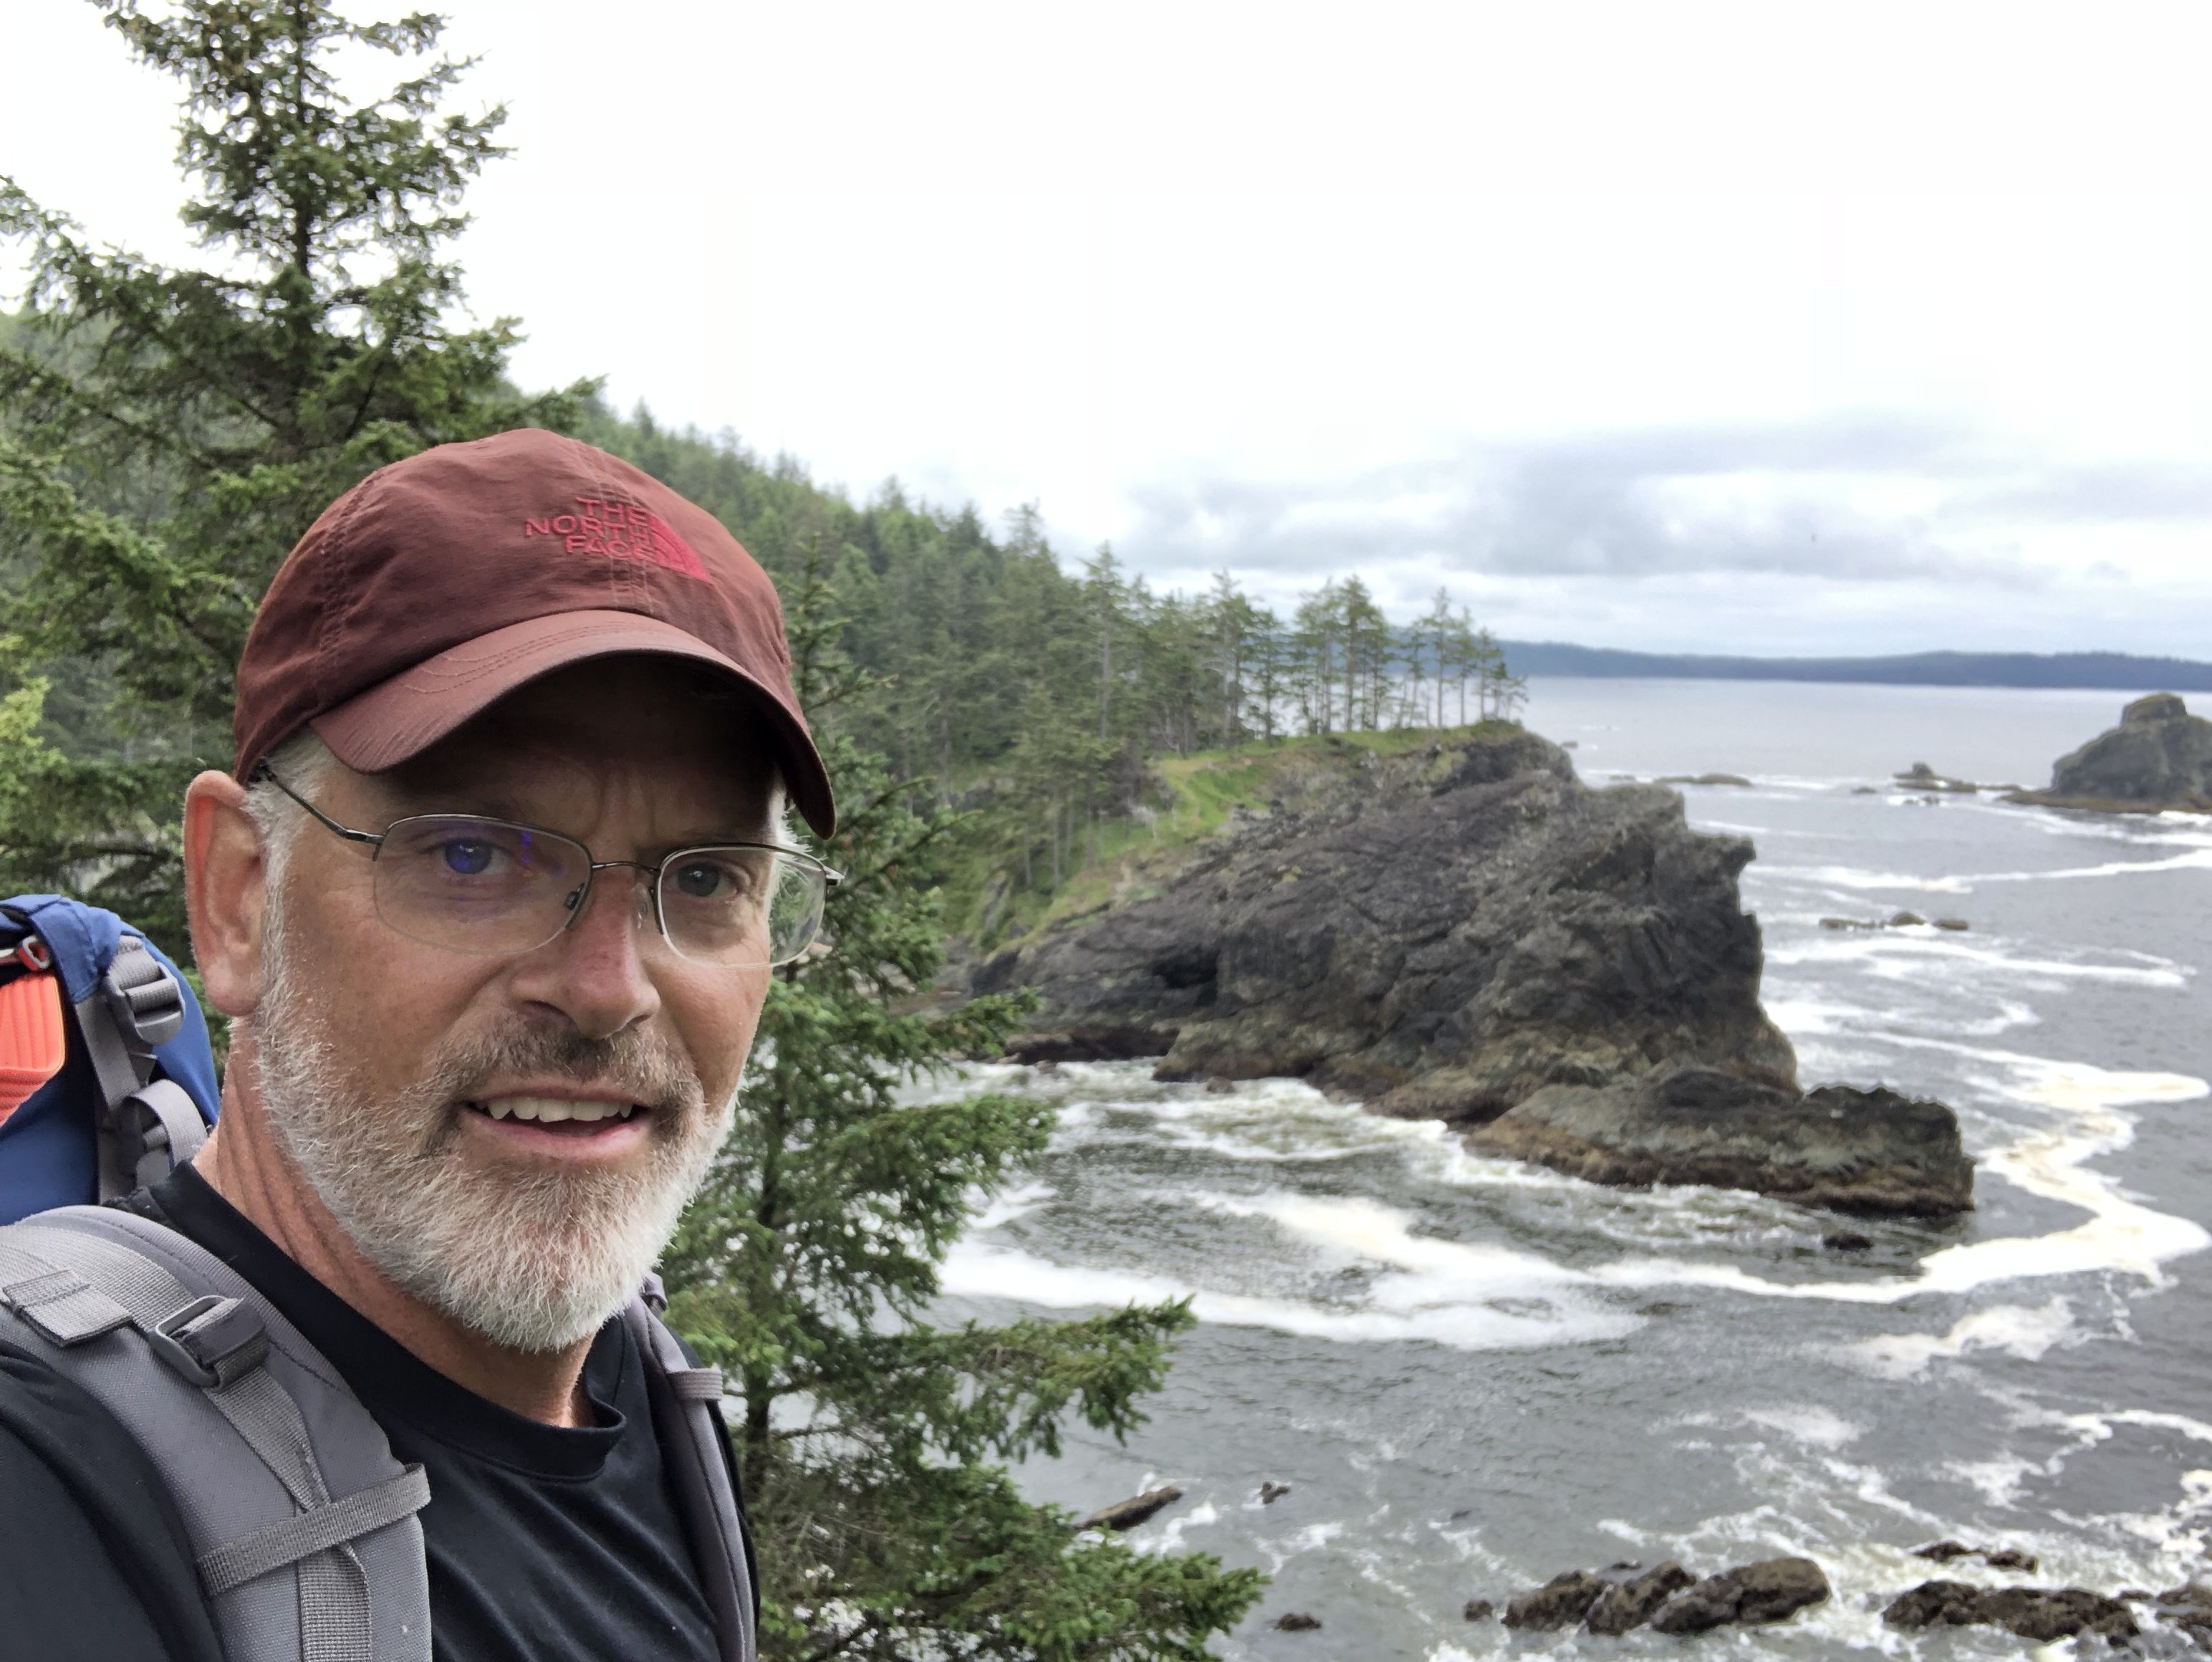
[1442, 932]
[2159, 756]
[1672, 1600]
[1871, 1153]
[2039, 1614]
[1466, 932]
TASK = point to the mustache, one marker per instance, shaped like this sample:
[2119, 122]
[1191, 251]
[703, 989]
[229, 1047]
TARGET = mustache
[648, 1070]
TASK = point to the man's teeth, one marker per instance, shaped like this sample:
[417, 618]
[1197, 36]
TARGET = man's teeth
[544, 1109]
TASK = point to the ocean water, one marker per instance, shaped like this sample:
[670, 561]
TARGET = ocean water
[1474, 1374]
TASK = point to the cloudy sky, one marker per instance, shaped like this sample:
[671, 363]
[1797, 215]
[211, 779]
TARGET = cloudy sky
[1762, 328]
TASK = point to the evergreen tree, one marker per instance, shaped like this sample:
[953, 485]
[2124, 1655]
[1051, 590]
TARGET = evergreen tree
[167, 434]
[871, 1440]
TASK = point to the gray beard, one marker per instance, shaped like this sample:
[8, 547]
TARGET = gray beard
[531, 1260]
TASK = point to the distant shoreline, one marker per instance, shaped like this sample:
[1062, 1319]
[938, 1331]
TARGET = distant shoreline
[2113, 672]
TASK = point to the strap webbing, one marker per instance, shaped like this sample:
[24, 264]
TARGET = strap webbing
[252, 1556]
[334, 1596]
[692, 1437]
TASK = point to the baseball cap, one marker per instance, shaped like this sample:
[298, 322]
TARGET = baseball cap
[441, 583]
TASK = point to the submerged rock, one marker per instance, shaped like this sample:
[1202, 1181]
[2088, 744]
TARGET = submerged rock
[1871, 1153]
[2159, 756]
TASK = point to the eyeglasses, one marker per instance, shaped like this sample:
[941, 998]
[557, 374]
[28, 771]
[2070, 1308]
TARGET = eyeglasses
[493, 888]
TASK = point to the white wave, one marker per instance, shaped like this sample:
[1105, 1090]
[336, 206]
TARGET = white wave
[1009, 1204]
[1808, 1423]
[1852, 877]
[2015, 1330]
[1397, 1309]
[1895, 952]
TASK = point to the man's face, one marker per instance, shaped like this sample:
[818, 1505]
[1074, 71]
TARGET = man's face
[419, 1090]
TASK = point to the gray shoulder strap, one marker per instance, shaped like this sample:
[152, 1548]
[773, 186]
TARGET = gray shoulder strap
[308, 1547]
[149, 1126]
[684, 1401]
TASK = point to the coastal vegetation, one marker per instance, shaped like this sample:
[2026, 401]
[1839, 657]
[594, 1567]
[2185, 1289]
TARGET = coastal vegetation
[167, 434]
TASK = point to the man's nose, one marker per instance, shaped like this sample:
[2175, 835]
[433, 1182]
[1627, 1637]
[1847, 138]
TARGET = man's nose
[595, 971]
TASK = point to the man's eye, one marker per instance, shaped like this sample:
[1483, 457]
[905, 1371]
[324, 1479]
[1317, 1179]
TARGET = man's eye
[702, 881]
[466, 857]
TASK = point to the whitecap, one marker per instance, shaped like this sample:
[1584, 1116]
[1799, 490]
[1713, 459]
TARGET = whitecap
[2014, 1330]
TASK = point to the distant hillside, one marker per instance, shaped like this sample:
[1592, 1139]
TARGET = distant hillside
[2118, 671]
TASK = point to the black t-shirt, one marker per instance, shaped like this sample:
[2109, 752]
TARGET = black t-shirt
[544, 1543]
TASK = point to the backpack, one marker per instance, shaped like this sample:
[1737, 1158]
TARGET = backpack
[107, 1078]
[302, 1523]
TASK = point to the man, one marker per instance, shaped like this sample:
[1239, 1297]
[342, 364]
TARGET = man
[491, 898]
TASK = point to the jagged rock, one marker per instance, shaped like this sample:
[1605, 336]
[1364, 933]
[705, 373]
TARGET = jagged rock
[1560, 1603]
[2159, 756]
[1456, 933]
[1632, 1603]
[2039, 1613]
[1128, 1514]
[1943, 1552]
[1442, 934]
[1873, 1152]
[1771, 1589]
[1297, 1622]
[1478, 1610]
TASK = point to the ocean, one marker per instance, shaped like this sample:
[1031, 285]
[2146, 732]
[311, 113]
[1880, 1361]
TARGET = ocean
[1474, 1374]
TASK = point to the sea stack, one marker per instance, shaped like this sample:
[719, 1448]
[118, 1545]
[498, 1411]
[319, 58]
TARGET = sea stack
[1468, 933]
[2159, 756]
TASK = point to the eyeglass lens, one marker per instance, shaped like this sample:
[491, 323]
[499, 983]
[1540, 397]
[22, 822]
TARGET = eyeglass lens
[489, 886]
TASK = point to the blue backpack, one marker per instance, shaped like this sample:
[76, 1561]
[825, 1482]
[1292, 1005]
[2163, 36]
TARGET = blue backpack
[136, 1092]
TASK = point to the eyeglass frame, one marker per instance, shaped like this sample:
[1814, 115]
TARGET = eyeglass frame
[831, 877]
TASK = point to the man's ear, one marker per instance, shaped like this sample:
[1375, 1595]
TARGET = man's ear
[226, 891]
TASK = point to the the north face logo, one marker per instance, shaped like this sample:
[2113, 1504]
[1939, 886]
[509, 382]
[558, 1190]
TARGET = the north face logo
[622, 529]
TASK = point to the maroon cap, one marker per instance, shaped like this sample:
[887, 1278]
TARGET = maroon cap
[439, 584]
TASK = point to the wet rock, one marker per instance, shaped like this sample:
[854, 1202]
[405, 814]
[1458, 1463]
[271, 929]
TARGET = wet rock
[1771, 1589]
[1478, 937]
[1297, 1622]
[1906, 921]
[2159, 756]
[2039, 1614]
[1955, 925]
[1271, 1493]
[1478, 1610]
[1943, 1552]
[1873, 1152]
[1561, 1601]
[1847, 1240]
[1736, 779]
[1128, 1514]
[1631, 1605]
[1439, 936]
[1921, 777]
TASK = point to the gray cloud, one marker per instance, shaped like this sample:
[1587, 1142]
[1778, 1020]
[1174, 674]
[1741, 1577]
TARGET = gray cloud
[1771, 500]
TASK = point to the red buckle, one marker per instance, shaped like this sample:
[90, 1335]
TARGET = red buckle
[32, 954]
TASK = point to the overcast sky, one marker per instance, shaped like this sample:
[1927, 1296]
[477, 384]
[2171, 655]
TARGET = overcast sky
[1777, 328]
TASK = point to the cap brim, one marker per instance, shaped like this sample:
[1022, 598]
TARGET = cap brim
[405, 716]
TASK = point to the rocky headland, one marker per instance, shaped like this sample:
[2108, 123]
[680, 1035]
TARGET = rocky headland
[2160, 757]
[1465, 931]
